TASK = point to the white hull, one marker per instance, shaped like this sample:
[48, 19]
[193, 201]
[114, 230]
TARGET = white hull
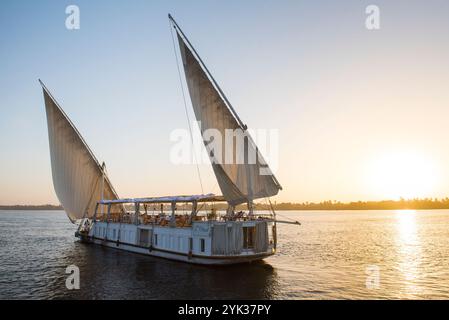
[192, 245]
[181, 257]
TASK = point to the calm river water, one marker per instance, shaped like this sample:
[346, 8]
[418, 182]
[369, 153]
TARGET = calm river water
[332, 255]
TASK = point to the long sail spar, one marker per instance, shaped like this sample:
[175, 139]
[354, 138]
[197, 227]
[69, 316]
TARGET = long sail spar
[239, 182]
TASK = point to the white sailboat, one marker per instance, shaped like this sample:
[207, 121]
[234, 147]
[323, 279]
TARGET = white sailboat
[154, 225]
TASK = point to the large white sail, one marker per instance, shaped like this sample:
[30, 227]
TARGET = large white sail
[77, 174]
[239, 182]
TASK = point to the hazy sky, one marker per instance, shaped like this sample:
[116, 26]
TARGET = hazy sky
[362, 114]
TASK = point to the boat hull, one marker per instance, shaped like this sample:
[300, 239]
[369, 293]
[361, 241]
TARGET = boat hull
[194, 259]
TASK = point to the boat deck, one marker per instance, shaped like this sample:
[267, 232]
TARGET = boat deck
[180, 220]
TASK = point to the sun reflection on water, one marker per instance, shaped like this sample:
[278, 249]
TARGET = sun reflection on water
[409, 250]
[406, 222]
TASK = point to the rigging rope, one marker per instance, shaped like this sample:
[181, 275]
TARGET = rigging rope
[268, 201]
[292, 220]
[185, 105]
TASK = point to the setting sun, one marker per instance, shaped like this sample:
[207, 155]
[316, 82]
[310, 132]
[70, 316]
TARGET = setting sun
[402, 175]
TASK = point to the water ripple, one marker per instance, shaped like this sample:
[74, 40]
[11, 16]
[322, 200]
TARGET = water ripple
[324, 258]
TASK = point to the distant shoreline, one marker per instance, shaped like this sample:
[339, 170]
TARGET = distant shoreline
[412, 204]
[32, 207]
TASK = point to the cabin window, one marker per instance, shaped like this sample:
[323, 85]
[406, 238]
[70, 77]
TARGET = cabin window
[248, 237]
[144, 237]
[190, 244]
[113, 234]
[155, 239]
[203, 245]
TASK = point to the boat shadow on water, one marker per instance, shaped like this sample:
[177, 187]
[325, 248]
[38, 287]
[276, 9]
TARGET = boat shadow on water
[116, 274]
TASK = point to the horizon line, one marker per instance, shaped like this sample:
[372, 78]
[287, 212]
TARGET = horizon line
[429, 199]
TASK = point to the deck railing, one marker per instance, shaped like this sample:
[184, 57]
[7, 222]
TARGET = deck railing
[181, 220]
